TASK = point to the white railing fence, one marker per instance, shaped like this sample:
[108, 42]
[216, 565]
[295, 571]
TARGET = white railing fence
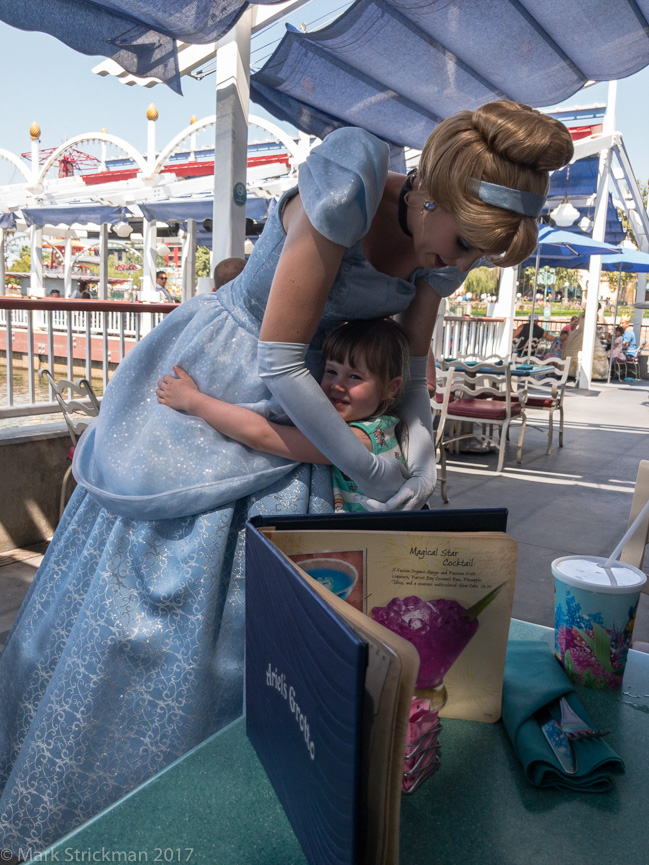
[88, 338]
[72, 338]
[479, 336]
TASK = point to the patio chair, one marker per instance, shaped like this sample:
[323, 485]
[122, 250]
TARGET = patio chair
[486, 401]
[545, 392]
[82, 389]
[439, 404]
[634, 552]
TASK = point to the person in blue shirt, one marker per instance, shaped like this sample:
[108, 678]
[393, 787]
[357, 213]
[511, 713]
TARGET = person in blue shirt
[629, 344]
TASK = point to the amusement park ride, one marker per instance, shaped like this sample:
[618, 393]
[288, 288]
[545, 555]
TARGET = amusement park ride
[71, 162]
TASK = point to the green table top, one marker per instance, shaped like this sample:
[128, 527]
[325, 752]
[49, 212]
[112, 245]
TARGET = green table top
[215, 805]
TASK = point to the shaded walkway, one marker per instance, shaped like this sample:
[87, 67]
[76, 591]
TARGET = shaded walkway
[576, 500]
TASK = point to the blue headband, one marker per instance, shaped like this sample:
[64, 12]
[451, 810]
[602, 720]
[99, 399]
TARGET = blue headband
[525, 203]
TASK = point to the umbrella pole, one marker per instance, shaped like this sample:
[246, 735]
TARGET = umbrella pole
[617, 300]
[536, 276]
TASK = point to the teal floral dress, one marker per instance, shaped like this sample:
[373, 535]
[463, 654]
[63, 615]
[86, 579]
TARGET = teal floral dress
[381, 432]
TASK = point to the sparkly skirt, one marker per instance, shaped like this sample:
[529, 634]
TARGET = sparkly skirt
[127, 652]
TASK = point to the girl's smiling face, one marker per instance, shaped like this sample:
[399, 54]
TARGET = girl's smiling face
[354, 391]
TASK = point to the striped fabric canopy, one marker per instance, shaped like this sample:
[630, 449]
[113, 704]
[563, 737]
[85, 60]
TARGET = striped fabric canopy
[396, 67]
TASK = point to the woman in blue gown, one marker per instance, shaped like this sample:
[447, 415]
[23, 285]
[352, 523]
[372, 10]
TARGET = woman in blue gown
[128, 649]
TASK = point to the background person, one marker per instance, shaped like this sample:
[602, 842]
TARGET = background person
[129, 648]
[629, 344]
[227, 270]
[572, 325]
[161, 286]
[616, 352]
[522, 334]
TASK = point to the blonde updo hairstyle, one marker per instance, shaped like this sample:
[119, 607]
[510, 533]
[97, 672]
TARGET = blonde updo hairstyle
[507, 143]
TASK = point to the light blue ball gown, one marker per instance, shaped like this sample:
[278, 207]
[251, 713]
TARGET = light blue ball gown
[128, 650]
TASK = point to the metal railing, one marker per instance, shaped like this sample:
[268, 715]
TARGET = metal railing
[78, 337]
[480, 336]
[89, 337]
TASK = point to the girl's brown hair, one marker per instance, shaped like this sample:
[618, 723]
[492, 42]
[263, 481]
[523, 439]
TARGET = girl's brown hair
[380, 343]
[504, 142]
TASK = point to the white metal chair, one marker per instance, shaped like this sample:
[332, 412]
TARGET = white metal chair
[86, 403]
[634, 552]
[439, 405]
[485, 399]
[545, 392]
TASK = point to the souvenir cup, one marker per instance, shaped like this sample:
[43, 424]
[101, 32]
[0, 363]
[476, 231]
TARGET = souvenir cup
[595, 610]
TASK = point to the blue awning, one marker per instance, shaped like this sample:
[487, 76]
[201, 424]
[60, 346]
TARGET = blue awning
[182, 209]
[396, 67]
[7, 220]
[140, 36]
[577, 180]
[72, 214]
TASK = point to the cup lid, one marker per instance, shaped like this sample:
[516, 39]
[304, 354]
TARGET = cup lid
[587, 572]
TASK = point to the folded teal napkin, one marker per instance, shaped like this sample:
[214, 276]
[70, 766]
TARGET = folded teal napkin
[533, 679]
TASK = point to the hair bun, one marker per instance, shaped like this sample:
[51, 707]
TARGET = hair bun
[523, 135]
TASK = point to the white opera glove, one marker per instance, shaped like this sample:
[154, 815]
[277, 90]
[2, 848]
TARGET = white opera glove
[282, 367]
[415, 412]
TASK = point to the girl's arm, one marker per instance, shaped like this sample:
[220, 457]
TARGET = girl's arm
[241, 424]
[303, 278]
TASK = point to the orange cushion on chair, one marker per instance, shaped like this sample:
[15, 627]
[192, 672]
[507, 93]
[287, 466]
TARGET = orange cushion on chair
[484, 409]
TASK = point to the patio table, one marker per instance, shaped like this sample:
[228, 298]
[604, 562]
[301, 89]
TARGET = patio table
[520, 369]
[215, 805]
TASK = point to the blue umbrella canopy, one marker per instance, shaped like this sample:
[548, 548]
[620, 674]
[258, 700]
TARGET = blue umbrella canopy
[567, 244]
[628, 260]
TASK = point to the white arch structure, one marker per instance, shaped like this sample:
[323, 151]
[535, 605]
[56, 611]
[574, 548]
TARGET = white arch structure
[16, 162]
[210, 120]
[37, 190]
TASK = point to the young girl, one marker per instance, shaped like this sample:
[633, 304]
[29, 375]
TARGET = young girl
[365, 365]
[616, 353]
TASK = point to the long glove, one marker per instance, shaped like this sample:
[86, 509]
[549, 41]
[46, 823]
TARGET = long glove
[282, 367]
[416, 414]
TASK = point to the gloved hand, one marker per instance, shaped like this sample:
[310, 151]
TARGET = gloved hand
[415, 412]
[282, 367]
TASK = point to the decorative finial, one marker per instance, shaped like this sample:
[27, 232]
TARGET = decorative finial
[35, 131]
[193, 119]
[152, 112]
[104, 130]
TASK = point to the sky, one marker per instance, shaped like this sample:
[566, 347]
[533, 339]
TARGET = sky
[47, 82]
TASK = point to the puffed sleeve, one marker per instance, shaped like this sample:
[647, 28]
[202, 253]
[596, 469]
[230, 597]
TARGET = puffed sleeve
[341, 184]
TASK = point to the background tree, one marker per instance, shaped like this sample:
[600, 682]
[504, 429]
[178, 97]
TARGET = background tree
[482, 280]
[22, 263]
[202, 261]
